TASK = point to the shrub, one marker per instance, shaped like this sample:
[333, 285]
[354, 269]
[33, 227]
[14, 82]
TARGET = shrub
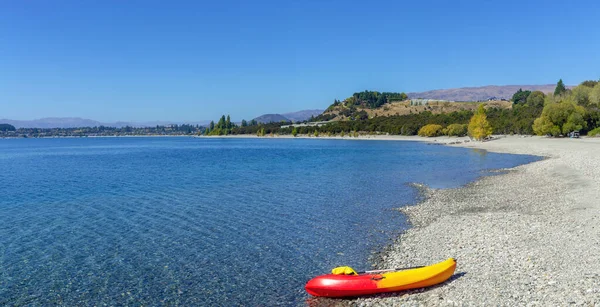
[456, 130]
[430, 130]
[594, 132]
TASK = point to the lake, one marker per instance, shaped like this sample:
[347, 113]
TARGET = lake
[205, 221]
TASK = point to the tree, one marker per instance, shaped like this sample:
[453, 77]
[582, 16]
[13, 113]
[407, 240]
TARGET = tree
[221, 123]
[536, 99]
[575, 122]
[589, 83]
[544, 126]
[521, 96]
[228, 122]
[211, 126]
[560, 88]
[381, 100]
[479, 127]
[294, 132]
[595, 95]
[581, 95]
[362, 115]
[7, 127]
[244, 123]
[560, 118]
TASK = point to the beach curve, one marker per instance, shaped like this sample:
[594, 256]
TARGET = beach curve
[528, 237]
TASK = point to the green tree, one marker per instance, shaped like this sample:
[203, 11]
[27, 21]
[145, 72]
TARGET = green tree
[560, 88]
[589, 83]
[595, 95]
[7, 127]
[221, 123]
[294, 132]
[520, 96]
[244, 123]
[228, 122]
[381, 100]
[581, 95]
[544, 126]
[575, 122]
[479, 128]
[536, 99]
[560, 118]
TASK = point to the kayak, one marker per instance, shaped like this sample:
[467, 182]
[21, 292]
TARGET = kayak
[331, 285]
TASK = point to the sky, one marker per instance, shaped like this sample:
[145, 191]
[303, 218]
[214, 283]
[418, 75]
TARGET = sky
[195, 60]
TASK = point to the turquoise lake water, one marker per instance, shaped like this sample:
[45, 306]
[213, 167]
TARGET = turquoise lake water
[193, 221]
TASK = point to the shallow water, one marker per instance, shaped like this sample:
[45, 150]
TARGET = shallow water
[188, 221]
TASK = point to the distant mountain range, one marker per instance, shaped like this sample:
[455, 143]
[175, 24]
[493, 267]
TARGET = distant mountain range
[271, 118]
[481, 93]
[75, 122]
[302, 115]
[293, 116]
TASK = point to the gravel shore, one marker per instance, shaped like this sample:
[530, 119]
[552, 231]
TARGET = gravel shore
[530, 237]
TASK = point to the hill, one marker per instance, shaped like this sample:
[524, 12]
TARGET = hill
[297, 116]
[481, 93]
[77, 122]
[271, 118]
[368, 104]
[406, 108]
[302, 115]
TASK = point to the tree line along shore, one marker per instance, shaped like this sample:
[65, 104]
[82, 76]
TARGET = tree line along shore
[554, 114]
[531, 113]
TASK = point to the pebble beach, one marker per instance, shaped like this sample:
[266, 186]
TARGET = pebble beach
[528, 237]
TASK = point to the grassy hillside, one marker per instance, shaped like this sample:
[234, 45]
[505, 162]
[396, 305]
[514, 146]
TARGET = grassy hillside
[349, 111]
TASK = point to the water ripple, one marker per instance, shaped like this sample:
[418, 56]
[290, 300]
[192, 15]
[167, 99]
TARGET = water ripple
[178, 221]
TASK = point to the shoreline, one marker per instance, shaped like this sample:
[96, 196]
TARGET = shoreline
[530, 236]
[527, 236]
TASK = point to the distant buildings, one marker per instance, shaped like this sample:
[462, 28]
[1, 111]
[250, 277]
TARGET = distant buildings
[310, 124]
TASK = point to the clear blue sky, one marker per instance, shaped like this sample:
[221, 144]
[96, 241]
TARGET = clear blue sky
[195, 60]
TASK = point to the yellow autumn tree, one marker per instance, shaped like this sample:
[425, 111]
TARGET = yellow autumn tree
[479, 127]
